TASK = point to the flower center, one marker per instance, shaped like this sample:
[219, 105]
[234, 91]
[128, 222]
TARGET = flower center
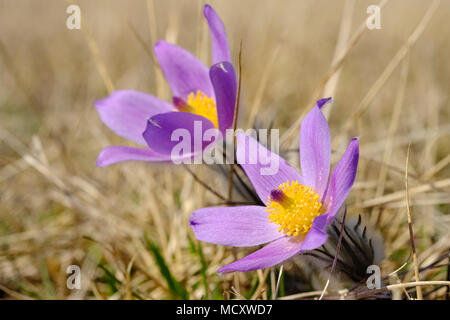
[199, 103]
[293, 207]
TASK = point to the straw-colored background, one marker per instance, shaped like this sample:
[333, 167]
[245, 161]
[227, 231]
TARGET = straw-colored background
[57, 208]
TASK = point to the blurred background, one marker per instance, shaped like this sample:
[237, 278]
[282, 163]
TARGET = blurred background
[127, 225]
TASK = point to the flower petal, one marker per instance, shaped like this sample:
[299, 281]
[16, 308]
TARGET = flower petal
[266, 170]
[220, 49]
[272, 254]
[165, 131]
[320, 222]
[223, 79]
[315, 150]
[322, 102]
[234, 226]
[184, 72]
[126, 112]
[114, 154]
[314, 239]
[342, 179]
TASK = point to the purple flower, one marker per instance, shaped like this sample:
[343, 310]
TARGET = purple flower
[298, 208]
[204, 96]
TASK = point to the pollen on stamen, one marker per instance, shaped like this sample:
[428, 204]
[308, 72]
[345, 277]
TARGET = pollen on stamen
[203, 105]
[293, 207]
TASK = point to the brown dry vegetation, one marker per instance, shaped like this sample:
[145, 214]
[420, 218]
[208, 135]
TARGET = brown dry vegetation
[57, 208]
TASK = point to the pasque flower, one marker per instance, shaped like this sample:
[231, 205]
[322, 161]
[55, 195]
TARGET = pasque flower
[200, 95]
[297, 207]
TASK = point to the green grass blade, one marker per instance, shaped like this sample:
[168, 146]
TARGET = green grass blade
[175, 287]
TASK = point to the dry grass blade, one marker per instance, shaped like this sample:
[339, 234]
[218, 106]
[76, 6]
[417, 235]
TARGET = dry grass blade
[411, 231]
[235, 118]
[333, 69]
[344, 33]
[392, 65]
[101, 68]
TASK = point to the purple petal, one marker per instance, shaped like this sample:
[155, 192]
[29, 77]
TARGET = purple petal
[220, 50]
[126, 112]
[321, 102]
[114, 154]
[320, 222]
[316, 236]
[184, 72]
[167, 130]
[342, 179]
[234, 226]
[223, 79]
[272, 254]
[315, 150]
[314, 239]
[266, 170]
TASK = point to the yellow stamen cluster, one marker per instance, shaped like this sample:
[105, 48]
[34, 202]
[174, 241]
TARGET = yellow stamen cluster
[203, 105]
[295, 209]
